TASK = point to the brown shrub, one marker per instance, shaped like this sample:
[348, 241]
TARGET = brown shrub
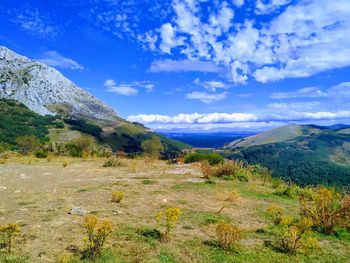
[228, 235]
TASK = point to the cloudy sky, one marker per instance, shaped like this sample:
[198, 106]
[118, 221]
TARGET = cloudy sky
[195, 64]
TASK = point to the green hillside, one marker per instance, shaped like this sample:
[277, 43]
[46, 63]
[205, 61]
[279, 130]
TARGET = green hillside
[318, 156]
[16, 120]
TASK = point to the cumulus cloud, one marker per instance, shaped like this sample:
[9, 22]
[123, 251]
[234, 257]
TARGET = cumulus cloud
[182, 66]
[55, 59]
[206, 97]
[302, 39]
[219, 118]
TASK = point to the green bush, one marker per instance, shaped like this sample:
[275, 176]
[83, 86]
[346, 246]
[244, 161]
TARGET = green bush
[41, 154]
[212, 158]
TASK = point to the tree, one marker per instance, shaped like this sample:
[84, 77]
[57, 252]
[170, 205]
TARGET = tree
[152, 147]
[27, 143]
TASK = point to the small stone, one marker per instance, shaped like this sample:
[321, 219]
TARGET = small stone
[77, 211]
[2, 187]
[164, 200]
[23, 176]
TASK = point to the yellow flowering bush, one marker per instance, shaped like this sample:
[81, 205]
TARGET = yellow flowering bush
[167, 219]
[97, 233]
[327, 209]
[8, 234]
[117, 196]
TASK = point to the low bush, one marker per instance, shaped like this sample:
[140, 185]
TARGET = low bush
[167, 219]
[114, 162]
[228, 235]
[212, 158]
[117, 196]
[97, 233]
[295, 236]
[41, 154]
[327, 209]
[288, 190]
[8, 234]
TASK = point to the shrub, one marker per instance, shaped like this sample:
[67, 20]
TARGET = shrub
[287, 190]
[152, 147]
[261, 172]
[276, 213]
[41, 154]
[206, 169]
[230, 198]
[327, 209]
[117, 196]
[227, 169]
[81, 147]
[8, 234]
[97, 233]
[228, 235]
[114, 162]
[212, 158]
[58, 124]
[167, 219]
[295, 236]
[27, 143]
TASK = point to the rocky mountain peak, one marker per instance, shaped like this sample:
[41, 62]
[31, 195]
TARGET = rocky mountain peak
[45, 90]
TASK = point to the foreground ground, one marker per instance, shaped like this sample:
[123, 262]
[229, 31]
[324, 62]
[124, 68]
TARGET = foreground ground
[38, 194]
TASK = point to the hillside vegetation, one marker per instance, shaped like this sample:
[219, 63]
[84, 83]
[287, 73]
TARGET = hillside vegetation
[17, 121]
[318, 155]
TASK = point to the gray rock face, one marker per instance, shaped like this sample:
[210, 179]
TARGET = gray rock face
[45, 90]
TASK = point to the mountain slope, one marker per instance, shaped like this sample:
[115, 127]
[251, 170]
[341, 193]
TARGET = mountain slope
[45, 91]
[317, 155]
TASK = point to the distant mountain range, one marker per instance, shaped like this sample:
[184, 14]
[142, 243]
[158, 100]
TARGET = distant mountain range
[207, 139]
[306, 154]
[45, 91]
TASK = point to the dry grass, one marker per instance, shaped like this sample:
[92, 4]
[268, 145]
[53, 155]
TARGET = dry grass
[39, 196]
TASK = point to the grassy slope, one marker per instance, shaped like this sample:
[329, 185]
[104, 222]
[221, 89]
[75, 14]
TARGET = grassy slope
[276, 135]
[40, 206]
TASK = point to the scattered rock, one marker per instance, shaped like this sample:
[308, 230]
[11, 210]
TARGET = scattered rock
[2, 187]
[23, 176]
[77, 211]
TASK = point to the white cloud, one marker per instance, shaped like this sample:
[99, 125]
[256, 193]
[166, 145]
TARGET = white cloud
[219, 118]
[128, 89]
[206, 97]
[53, 58]
[309, 92]
[238, 3]
[301, 40]
[182, 66]
[337, 92]
[270, 6]
[32, 21]
[120, 89]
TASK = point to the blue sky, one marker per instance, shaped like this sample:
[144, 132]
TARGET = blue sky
[195, 64]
